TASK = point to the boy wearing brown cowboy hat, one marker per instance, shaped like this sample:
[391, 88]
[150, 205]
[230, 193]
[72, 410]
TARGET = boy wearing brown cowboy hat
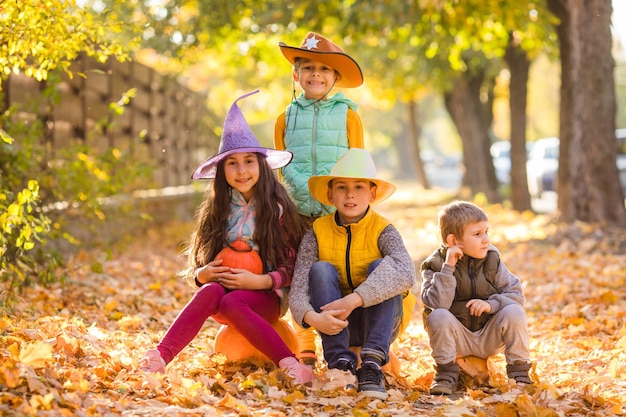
[352, 271]
[317, 129]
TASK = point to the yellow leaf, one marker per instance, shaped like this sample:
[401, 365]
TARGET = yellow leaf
[126, 323]
[14, 349]
[293, 397]
[39, 402]
[37, 355]
[110, 306]
[9, 374]
[228, 401]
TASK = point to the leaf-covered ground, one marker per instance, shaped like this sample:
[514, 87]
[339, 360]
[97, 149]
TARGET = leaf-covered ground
[73, 349]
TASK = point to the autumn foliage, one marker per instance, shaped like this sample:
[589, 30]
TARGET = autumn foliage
[73, 349]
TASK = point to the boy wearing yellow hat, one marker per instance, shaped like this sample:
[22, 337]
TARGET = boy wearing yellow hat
[352, 271]
[318, 129]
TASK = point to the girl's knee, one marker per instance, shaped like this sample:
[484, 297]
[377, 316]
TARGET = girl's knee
[210, 291]
[230, 303]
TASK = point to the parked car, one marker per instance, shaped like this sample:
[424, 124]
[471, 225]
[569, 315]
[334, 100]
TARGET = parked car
[621, 157]
[501, 155]
[543, 163]
[542, 166]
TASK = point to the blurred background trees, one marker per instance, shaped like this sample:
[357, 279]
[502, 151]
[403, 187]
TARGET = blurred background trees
[473, 57]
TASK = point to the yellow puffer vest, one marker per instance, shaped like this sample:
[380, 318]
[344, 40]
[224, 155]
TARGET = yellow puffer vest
[350, 248]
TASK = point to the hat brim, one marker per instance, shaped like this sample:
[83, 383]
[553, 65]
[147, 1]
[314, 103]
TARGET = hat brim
[275, 158]
[348, 68]
[318, 187]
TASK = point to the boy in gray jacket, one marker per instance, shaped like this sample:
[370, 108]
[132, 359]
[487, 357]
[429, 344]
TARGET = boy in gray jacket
[352, 272]
[472, 303]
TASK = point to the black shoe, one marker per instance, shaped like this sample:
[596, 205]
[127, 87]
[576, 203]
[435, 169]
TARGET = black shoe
[519, 372]
[371, 381]
[344, 365]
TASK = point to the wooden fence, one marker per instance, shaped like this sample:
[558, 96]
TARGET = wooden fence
[164, 124]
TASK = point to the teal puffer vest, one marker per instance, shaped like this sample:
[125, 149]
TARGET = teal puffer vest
[316, 134]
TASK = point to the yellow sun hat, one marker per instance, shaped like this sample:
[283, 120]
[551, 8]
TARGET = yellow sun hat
[356, 164]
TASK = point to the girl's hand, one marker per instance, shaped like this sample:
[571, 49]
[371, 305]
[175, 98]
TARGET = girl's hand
[210, 272]
[477, 307]
[242, 279]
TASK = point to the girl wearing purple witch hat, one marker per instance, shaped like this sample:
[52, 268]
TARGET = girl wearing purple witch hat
[246, 202]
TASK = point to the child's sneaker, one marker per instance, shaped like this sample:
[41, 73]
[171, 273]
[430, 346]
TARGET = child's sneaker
[344, 365]
[347, 369]
[446, 379]
[308, 358]
[301, 373]
[519, 372]
[152, 362]
[371, 381]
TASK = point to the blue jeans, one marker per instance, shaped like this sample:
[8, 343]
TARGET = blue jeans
[372, 328]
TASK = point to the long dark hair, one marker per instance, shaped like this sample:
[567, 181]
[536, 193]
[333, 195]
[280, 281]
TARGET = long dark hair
[276, 235]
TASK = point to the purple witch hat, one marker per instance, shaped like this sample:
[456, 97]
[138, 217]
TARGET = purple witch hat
[238, 137]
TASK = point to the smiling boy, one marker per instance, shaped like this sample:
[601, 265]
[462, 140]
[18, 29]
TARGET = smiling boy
[352, 273]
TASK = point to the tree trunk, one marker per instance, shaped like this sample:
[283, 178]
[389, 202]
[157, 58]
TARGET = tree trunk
[519, 66]
[467, 112]
[414, 146]
[588, 181]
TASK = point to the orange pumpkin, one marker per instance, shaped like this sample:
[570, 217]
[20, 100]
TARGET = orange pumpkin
[236, 347]
[240, 255]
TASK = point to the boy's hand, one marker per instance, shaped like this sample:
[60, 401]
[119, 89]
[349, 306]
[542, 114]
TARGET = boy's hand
[346, 304]
[478, 307]
[453, 255]
[455, 250]
[327, 322]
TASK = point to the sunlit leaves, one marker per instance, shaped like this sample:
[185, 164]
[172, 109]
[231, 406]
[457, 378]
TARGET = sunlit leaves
[38, 36]
[91, 333]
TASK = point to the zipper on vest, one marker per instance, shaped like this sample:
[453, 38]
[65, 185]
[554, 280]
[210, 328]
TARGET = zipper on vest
[473, 293]
[316, 108]
[348, 273]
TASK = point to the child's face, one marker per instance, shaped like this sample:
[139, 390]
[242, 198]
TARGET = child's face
[475, 240]
[315, 78]
[351, 197]
[242, 172]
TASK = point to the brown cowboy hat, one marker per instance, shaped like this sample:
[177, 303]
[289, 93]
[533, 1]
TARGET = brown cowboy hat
[318, 48]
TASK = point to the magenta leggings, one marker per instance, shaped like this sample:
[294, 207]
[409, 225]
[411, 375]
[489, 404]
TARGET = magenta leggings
[249, 312]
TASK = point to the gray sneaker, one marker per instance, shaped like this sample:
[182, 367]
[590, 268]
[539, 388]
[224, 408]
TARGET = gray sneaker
[371, 381]
[446, 379]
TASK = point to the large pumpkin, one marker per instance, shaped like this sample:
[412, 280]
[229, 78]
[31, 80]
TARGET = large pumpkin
[236, 347]
[240, 255]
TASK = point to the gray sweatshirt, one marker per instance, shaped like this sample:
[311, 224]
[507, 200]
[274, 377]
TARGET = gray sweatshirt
[394, 275]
